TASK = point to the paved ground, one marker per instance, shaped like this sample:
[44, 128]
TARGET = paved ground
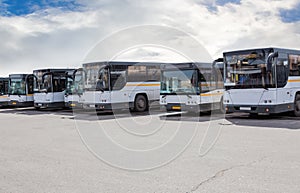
[58, 151]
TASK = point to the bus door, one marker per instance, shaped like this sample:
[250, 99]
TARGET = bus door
[102, 94]
[59, 87]
[29, 87]
[284, 95]
[119, 95]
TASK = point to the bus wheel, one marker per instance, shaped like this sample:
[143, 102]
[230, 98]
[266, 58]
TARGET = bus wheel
[140, 103]
[297, 106]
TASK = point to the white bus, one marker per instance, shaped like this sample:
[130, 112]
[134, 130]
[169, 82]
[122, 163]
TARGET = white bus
[262, 80]
[50, 87]
[119, 85]
[20, 90]
[192, 87]
[74, 91]
[4, 92]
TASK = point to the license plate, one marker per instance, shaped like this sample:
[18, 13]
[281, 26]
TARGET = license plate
[176, 107]
[92, 106]
[14, 103]
[40, 105]
[245, 108]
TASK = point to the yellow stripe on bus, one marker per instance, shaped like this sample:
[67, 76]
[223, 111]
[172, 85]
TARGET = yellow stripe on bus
[211, 94]
[3, 96]
[29, 95]
[142, 84]
[293, 80]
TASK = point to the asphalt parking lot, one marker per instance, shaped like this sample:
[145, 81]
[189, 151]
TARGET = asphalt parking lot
[65, 151]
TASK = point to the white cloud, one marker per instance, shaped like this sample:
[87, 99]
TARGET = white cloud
[53, 38]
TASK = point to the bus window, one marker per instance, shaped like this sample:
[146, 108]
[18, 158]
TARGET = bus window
[102, 81]
[153, 73]
[294, 61]
[118, 80]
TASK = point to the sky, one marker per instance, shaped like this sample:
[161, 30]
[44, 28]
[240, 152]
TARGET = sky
[61, 33]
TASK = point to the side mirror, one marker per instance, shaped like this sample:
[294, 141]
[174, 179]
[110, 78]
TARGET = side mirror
[270, 60]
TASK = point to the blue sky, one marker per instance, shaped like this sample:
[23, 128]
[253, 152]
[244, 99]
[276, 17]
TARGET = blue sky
[24, 7]
[291, 15]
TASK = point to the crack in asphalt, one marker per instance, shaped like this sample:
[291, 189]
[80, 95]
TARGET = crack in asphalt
[222, 172]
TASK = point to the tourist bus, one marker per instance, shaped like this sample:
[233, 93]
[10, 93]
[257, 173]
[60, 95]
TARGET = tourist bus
[74, 91]
[121, 85]
[20, 90]
[50, 87]
[192, 87]
[262, 80]
[4, 91]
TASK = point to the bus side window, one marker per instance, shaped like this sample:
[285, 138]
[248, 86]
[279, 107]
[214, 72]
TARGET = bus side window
[294, 61]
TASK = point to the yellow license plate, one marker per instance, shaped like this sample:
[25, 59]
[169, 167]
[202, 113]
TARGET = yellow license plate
[176, 107]
[14, 103]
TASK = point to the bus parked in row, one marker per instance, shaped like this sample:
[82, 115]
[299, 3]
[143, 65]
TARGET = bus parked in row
[20, 90]
[4, 92]
[194, 87]
[119, 85]
[75, 88]
[262, 80]
[50, 87]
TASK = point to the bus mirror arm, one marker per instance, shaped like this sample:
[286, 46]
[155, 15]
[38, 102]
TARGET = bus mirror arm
[269, 60]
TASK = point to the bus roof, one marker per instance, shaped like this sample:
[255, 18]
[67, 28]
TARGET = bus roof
[54, 70]
[123, 63]
[18, 75]
[188, 65]
[274, 49]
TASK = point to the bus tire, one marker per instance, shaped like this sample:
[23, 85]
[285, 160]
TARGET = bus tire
[37, 108]
[140, 103]
[297, 106]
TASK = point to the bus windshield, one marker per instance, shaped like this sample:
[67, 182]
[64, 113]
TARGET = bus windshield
[46, 85]
[92, 75]
[248, 70]
[75, 84]
[17, 86]
[179, 81]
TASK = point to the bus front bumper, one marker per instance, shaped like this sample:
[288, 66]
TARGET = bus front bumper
[50, 105]
[14, 103]
[190, 108]
[269, 109]
[73, 105]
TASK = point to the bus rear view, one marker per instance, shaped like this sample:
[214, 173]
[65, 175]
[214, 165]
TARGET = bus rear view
[262, 80]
